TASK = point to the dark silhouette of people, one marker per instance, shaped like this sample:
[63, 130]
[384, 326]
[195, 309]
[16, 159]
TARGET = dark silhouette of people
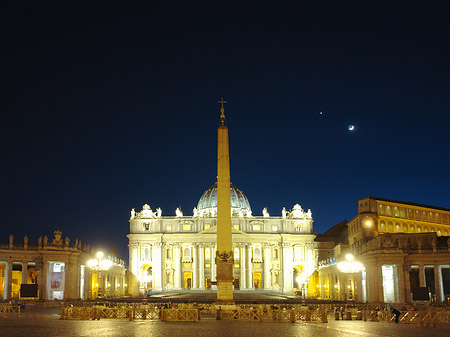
[396, 313]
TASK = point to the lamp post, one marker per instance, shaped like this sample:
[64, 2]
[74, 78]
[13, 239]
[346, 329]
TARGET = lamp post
[350, 267]
[98, 266]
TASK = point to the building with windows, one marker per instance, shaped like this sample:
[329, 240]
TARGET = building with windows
[178, 252]
[48, 270]
[404, 249]
[57, 270]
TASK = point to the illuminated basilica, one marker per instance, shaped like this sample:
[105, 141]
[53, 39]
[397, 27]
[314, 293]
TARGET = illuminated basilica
[178, 252]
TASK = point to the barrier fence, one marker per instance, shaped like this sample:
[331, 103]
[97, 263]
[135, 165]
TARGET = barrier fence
[417, 317]
[8, 310]
[259, 315]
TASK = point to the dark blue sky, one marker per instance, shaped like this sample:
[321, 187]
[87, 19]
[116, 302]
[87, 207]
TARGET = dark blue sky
[107, 107]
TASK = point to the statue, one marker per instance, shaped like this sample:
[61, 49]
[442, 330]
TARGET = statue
[265, 212]
[11, 239]
[195, 211]
[45, 240]
[147, 211]
[133, 213]
[158, 212]
[241, 213]
[283, 212]
[297, 212]
[57, 240]
[79, 245]
[76, 243]
[40, 241]
[178, 212]
[309, 213]
[249, 213]
[25, 240]
[66, 241]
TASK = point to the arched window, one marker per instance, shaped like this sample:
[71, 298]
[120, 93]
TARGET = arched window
[186, 253]
[397, 227]
[389, 210]
[382, 226]
[396, 213]
[390, 227]
[208, 253]
[411, 228]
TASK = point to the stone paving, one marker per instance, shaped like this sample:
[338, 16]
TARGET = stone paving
[46, 323]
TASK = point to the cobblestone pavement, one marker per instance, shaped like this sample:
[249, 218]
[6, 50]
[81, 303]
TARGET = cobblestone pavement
[48, 324]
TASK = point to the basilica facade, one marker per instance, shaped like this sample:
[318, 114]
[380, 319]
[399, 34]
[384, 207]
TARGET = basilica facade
[178, 252]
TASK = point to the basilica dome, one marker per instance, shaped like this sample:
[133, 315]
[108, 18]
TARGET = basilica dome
[207, 204]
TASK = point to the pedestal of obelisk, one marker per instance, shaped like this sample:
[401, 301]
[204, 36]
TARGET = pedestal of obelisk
[224, 253]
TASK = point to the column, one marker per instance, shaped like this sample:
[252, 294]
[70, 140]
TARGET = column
[437, 283]
[157, 265]
[267, 260]
[201, 261]
[177, 272]
[406, 272]
[421, 275]
[401, 283]
[371, 282]
[8, 284]
[287, 266]
[24, 273]
[213, 262]
[242, 260]
[195, 266]
[380, 292]
[133, 286]
[249, 267]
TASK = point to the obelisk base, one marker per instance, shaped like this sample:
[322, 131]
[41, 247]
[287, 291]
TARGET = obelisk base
[224, 283]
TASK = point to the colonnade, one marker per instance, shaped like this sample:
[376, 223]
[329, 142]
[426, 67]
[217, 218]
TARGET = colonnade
[169, 265]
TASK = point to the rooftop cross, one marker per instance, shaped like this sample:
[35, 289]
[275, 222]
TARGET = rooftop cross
[222, 110]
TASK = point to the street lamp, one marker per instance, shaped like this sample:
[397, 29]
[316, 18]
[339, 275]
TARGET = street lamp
[99, 265]
[350, 266]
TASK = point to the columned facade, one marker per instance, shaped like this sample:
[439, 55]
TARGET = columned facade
[265, 248]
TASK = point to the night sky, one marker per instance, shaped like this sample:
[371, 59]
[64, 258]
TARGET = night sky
[108, 107]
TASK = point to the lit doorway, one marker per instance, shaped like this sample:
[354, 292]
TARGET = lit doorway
[187, 280]
[147, 277]
[257, 280]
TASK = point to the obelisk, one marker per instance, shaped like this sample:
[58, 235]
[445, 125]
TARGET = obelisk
[224, 252]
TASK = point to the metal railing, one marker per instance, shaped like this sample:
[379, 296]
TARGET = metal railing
[7, 310]
[418, 317]
[180, 315]
[259, 315]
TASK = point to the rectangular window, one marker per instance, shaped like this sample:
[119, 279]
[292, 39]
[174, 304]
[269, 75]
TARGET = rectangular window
[445, 273]
[168, 228]
[429, 279]
[207, 227]
[55, 280]
[236, 227]
[256, 228]
[82, 269]
[186, 227]
[390, 282]
[274, 228]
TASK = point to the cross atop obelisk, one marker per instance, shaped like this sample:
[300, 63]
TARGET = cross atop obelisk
[222, 110]
[224, 253]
